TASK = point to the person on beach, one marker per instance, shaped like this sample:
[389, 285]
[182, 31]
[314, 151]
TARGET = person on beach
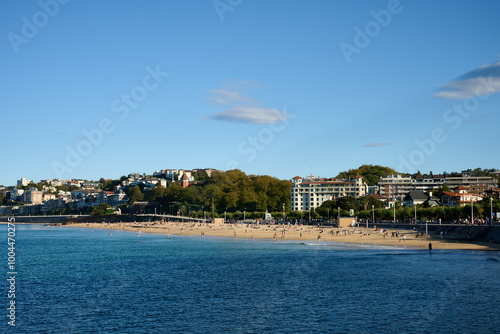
[430, 246]
[319, 238]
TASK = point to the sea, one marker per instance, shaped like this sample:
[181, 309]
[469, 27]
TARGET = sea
[72, 280]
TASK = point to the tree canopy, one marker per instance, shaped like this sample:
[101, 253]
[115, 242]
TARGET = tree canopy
[230, 191]
[371, 173]
[134, 195]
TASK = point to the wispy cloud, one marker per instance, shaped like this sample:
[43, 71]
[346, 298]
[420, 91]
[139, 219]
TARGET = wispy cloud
[223, 96]
[377, 144]
[242, 108]
[484, 80]
[252, 115]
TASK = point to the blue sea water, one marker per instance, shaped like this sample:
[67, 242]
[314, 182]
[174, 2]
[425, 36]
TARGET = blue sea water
[71, 280]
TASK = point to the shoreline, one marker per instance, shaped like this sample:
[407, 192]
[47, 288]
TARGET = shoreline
[402, 237]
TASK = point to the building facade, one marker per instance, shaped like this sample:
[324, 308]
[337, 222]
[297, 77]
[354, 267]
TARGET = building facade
[33, 196]
[394, 185]
[309, 193]
[460, 197]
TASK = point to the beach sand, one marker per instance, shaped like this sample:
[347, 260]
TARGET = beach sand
[293, 232]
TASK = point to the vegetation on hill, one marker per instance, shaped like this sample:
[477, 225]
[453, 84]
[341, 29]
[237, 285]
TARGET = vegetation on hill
[371, 173]
[229, 191]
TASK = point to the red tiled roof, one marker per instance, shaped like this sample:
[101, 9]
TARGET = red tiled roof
[453, 194]
[377, 196]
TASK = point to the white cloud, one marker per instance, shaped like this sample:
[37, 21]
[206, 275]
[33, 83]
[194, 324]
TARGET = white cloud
[243, 108]
[484, 80]
[377, 144]
[252, 115]
[223, 96]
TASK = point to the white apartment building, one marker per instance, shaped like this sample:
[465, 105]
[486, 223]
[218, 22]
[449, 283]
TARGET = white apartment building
[23, 182]
[397, 185]
[476, 184]
[394, 185]
[311, 192]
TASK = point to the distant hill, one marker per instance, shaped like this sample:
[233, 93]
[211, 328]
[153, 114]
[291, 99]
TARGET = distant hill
[370, 173]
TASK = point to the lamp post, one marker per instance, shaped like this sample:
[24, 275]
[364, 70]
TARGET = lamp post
[491, 207]
[373, 214]
[283, 213]
[225, 215]
[394, 207]
[471, 212]
[244, 214]
[415, 214]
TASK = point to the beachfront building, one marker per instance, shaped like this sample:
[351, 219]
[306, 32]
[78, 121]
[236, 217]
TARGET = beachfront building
[309, 193]
[427, 182]
[475, 184]
[418, 197]
[394, 185]
[460, 197]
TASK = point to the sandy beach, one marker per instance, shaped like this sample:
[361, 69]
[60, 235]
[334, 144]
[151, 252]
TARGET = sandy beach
[393, 237]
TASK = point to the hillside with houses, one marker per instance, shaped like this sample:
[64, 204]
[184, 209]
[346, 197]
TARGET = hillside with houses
[449, 196]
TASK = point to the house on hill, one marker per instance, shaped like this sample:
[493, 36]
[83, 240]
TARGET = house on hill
[185, 181]
[416, 197]
[460, 197]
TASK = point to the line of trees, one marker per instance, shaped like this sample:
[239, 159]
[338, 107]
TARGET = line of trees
[363, 210]
[231, 191]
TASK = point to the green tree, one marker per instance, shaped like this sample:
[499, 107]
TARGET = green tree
[440, 190]
[134, 195]
[371, 174]
[348, 203]
[99, 210]
[154, 194]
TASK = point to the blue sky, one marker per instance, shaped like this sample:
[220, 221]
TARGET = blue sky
[95, 89]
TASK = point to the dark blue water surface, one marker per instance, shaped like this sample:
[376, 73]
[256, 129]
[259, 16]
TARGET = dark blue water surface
[82, 281]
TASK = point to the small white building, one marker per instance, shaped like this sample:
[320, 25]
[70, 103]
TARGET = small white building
[23, 182]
